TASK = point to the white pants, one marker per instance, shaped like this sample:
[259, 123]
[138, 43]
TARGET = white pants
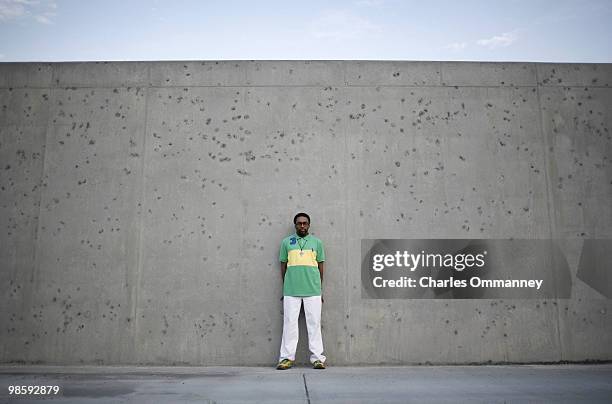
[291, 313]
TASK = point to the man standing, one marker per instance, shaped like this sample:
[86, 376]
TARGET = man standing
[302, 262]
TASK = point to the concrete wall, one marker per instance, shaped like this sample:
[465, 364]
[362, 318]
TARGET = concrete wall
[142, 204]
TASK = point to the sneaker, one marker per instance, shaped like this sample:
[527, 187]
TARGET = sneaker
[284, 364]
[318, 365]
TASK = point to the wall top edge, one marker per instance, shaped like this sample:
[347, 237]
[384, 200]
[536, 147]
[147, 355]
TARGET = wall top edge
[303, 73]
[297, 61]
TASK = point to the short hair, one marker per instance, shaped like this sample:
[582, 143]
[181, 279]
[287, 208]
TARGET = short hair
[301, 214]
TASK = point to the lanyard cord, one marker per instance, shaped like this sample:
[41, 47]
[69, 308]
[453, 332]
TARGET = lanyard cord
[302, 246]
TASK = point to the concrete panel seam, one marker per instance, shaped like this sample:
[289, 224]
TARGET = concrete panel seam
[549, 196]
[243, 331]
[306, 388]
[142, 208]
[347, 297]
[573, 86]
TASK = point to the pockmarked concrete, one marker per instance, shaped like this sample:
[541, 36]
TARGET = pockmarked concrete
[446, 384]
[142, 205]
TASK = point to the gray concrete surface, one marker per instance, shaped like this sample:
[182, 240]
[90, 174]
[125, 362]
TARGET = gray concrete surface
[142, 204]
[444, 384]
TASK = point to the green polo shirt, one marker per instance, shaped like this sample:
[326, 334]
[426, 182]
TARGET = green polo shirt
[302, 255]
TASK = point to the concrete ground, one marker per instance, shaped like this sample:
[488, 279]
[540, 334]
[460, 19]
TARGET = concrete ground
[447, 384]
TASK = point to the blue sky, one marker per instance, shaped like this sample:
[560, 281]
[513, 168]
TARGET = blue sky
[504, 30]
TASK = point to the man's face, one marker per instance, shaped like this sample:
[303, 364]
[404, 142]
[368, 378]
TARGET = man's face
[302, 226]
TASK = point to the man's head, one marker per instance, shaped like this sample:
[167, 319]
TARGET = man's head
[302, 224]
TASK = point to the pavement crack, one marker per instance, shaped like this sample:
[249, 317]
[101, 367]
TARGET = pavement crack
[306, 387]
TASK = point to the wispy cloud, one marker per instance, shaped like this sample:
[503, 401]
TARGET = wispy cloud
[498, 41]
[10, 9]
[342, 24]
[370, 3]
[42, 11]
[44, 19]
[456, 46]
